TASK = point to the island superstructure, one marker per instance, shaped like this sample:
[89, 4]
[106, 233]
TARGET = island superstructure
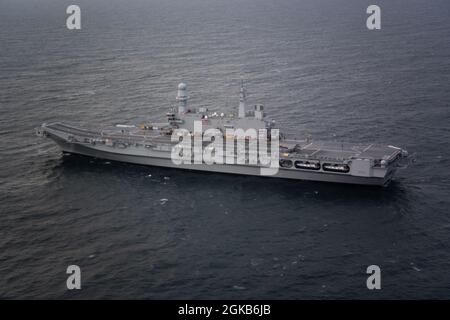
[152, 144]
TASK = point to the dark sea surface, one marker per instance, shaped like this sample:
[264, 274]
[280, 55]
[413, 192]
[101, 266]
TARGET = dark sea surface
[316, 68]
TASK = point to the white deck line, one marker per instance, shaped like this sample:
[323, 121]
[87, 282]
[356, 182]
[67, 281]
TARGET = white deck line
[304, 147]
[368, 148]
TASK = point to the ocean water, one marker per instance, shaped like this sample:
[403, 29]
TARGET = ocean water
[317, 69]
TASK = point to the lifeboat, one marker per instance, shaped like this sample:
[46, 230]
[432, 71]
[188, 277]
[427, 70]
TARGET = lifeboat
[336, 167]
[284, 163]
[300, 164]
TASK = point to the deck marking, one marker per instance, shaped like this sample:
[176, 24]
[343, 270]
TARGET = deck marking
[368, 148]
[302, 148]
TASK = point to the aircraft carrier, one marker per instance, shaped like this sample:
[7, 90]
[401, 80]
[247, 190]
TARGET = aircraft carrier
[153, 144]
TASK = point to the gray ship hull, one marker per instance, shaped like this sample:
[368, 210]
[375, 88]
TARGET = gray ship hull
[161, 161]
